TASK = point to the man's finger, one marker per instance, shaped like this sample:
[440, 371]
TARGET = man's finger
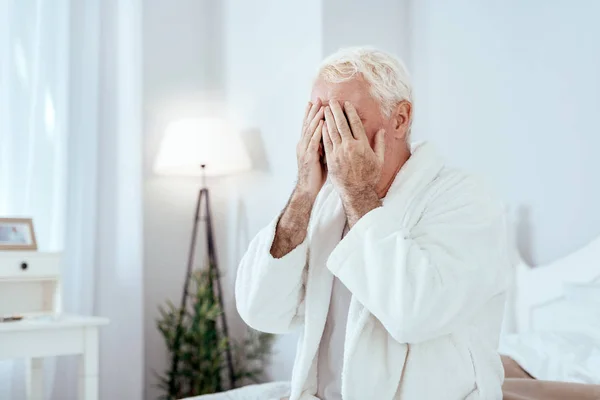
[308, 107]
[340, 120]
[331, 126]
[327, 141]
[313, 111]
[380, 145]
[358, 130]
[307, 120]
[315, 141]
[315, 122]
[310, 129]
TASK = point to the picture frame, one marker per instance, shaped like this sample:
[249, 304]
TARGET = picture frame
[17, 234]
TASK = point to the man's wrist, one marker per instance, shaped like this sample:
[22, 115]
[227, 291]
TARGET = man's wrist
[298, 210]
[358, 203]
[292, 226]
[303, 199]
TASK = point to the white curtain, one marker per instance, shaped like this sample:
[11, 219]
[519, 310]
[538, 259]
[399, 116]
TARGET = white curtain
[70, 157]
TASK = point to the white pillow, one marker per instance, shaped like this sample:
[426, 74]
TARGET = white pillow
[555, 356]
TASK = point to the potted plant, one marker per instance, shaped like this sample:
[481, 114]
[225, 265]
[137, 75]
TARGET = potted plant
[197, 344]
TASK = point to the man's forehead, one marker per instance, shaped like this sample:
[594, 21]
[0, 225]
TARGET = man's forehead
[354, 90]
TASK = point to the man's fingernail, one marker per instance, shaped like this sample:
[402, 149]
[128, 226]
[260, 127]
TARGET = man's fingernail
[346, 104]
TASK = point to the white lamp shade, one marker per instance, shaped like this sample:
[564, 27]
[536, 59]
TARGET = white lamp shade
[190, 143]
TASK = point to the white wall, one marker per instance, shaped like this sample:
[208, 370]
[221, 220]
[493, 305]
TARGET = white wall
[511, 90]
[380, 23]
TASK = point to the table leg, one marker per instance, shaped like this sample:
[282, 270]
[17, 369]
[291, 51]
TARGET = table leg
[34, 379]
[88, 367]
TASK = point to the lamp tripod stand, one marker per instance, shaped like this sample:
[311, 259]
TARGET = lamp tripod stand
[213, 276]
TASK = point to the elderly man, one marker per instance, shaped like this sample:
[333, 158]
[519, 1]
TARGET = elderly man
[394, 265]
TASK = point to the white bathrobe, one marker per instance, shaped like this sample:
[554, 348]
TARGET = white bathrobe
[428, 273]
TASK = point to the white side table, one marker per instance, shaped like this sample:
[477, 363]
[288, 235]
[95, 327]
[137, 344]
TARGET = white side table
[41, 337]
[30, 286]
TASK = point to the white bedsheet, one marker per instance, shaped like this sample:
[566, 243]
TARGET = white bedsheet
[265, 391]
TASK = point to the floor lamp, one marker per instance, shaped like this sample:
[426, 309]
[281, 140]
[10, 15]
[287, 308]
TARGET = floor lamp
[206, 148]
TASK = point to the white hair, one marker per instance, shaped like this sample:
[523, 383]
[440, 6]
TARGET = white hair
[386, 74]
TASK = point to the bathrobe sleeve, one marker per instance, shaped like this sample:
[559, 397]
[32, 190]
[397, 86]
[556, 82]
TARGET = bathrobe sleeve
[270, 292]
[427, 281]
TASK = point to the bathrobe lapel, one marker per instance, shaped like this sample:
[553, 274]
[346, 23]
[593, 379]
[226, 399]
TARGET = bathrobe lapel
[325, 235]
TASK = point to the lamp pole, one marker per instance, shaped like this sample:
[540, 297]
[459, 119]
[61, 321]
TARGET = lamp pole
[214, 276]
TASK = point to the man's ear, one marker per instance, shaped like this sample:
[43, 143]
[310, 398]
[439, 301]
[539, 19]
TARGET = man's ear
[402, 117]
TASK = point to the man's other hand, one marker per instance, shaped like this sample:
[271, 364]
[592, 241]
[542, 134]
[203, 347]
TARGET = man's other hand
[353, 165]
